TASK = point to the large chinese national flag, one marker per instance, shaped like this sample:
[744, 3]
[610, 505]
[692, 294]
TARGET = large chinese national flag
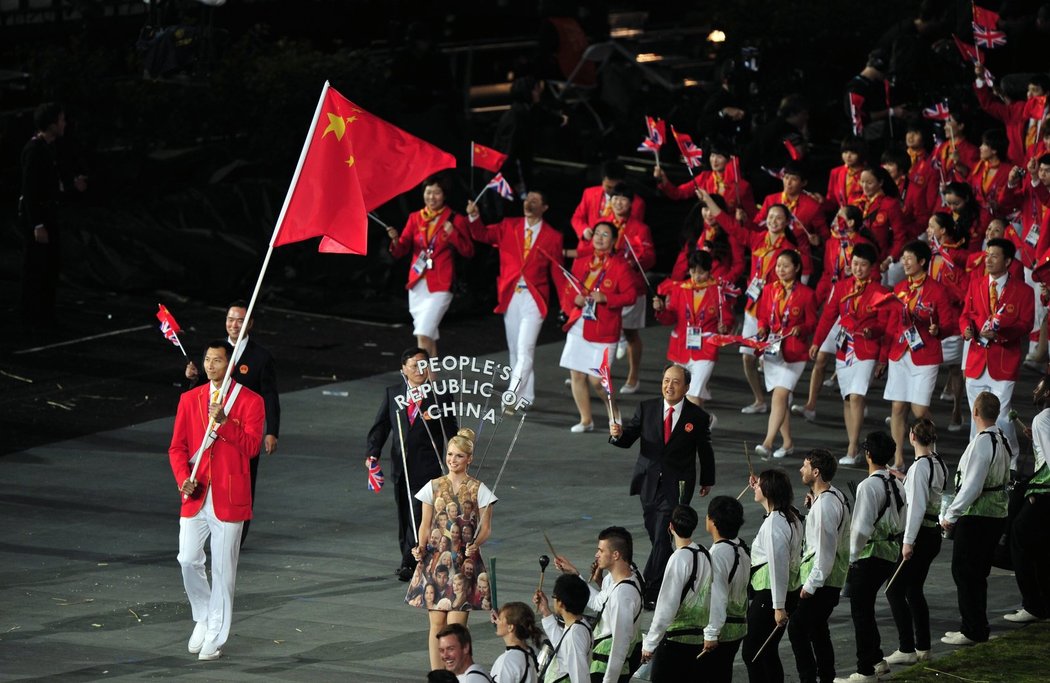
[352, 163]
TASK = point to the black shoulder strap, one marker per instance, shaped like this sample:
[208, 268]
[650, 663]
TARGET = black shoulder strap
[696, 567]
[737, 547]
[530, 659]
[479, 673]
[842, 501]
[891, 490]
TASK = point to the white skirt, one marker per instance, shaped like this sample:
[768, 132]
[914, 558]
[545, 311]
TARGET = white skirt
[781, 374]
[427, 309]
[854, 379]
[750, 329]
[634, 315]
[909, 382]
[582, 355]
[829, 345]
[700, 374]
[951, 349]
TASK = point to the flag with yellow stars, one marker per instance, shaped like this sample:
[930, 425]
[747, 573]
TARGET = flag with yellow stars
[352, 162]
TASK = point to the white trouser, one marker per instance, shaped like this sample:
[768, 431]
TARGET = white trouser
[214, 604]
[1004, 391]
[522, 322]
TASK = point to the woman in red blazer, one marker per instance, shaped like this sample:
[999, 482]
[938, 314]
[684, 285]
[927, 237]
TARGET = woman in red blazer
[948, 267]
[787, 311]
[430, 235]
[990, 175]
[728, 262]
[883, 213]
[695, 308]
[593, 301]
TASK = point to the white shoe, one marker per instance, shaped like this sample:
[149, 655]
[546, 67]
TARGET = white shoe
[830, 381]
[857, 677]
[209, 652]
[783, 453]
[957, 638]
[755, 408]
[1022, 616]
[581, 428]
[568, 381]
[945, 395]
[800, 410]
[762, 452]
[713, 422]
[899, 657]
[852, 460]
[621, 350]
[888, 420]
[1035, 365]
[197, 639]
[959, 427]
[629, 388]
[882, 669]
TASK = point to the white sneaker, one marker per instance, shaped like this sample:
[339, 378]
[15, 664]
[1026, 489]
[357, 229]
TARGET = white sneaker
[197, 639]
[1022, 616]
[852, 460]
[629, 388]
[581, 428]
[857, 677]
[899, 657]
[957, 638]
[755, 408]
[713, 422]
[209, 652]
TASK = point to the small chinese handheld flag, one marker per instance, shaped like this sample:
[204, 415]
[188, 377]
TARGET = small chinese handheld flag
[375, 475]
[168, 326]
[604, 373]
[969, 52]
[792, 150]
[856, 104]
[986, 31]
[352, 162]
[1035, 107]
[693, 155]
[486, 157]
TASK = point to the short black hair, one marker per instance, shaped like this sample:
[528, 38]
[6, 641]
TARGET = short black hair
[719, 201]
[572, 592]
[621, 190]
[411, 352]
[796, 168]
[727, 514]
[439, 179]
[852, 143]
[442, 676]
[880, 447]
[866, 251]
[1008, 247]
[46, 114]
[685, 371]
[684, 520]
[541, 193]
[919, 250]
[220, 344]
[620, 541]
[701, 259]
[614, 170]
[238, 303]
[821, 459]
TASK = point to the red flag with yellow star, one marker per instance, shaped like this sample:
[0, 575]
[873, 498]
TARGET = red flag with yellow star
[352, 162]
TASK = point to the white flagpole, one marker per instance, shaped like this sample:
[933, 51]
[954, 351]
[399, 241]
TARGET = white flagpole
[262, 272]
[478, 198]
[179, 344]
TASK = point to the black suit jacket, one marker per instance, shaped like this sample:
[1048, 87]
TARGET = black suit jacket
[660, 467]
[256, 370]
[423, 461]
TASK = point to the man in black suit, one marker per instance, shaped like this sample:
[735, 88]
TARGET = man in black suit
[424, 435]
[255, 368]
[674, 434]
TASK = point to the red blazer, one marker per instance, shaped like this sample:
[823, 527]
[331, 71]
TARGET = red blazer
[987, 192]
[807, 211]
[1013, 117]
[727, 267]
[884, 217]
[837, 195]
[1002, 356]
[615, 283]
[838, 252]
[225, 465]
[413, 240]
[754, 238]
[727, 185]
[508, 236]
[680, 311]
[922, 196]
[975, 267]
[1027, 201]
[589, 210]
[857, 313]
[933, 303]
[801, 312]
[641, 239]
[969, 155]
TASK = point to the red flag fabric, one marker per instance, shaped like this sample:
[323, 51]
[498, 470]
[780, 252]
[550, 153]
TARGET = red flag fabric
[654, 136]
[1035, 107]
[792, 150]
[604, 373]
[856, 102]
[969, 52]
[168, 326]
[375, 475]
[693, 155]
[986, 31]
[486, 158]
[1041, 273]
[354, 162]
[985, 17]
[883, 299]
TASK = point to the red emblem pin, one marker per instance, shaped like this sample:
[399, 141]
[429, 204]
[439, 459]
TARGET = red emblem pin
[243, 369]
[607, 283]
[795, 310]
[688, 427]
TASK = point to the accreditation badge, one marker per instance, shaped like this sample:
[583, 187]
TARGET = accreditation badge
[694, 337]
[423, 263]
[754, 288]
[589, 312]
[914, 339]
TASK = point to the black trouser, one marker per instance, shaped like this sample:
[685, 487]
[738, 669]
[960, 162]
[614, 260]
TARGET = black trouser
[865, 579]
[253, 467]
[975, 541]
[657, 515]
[1031, 560]
[674, 662]
[40, 266]
[760, 623]
[907, 600]
[811, 638]
[717, 665]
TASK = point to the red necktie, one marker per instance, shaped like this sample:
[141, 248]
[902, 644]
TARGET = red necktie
[668, 424]
[413, 410]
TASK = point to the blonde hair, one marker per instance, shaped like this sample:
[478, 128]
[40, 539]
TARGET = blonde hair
[464, 440]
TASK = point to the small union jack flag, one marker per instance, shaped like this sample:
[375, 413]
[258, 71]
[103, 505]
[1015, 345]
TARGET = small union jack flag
[985, 28]
[604, 373]
[938, 112]
[693, 155]
[375, 475]
[500, 185]
[655, 137]
[168, 326]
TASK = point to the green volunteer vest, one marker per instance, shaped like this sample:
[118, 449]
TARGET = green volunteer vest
[693, 612]
[837, 576]
[1040, 481]
[993, 499]
[735, 626]
[931, 517]
[603, 645]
